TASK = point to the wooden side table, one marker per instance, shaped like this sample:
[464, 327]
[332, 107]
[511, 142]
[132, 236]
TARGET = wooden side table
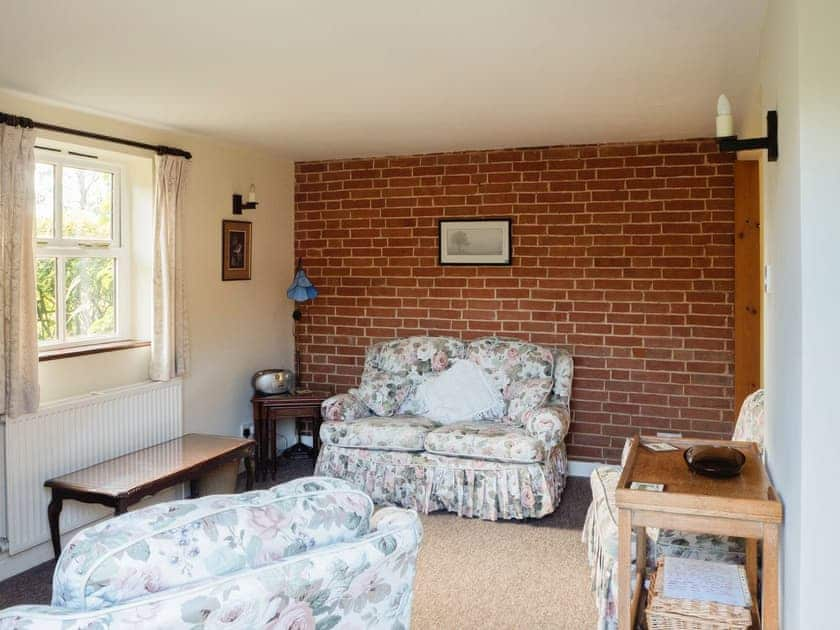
[745, 506]
[268, 409]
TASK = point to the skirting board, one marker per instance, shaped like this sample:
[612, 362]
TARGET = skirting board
[582, 469]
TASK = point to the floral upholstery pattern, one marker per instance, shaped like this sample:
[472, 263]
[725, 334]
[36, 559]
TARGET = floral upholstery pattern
[114, 561]
[526, 395]
[510, 465]
[361, 583]
[563, 374]
[549, 424]
[469, 487]
[343, 408]
[415, 356]
[396, 433]
[509, 360]
[486, 440]
[382, 391]
[750, 424]
[600, 531]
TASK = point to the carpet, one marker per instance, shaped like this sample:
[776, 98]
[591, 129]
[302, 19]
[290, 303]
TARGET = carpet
[470, 573]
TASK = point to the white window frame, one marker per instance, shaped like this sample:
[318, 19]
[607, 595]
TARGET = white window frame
[61, 248]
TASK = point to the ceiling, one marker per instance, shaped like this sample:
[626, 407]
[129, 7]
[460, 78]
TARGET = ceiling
[314, 79]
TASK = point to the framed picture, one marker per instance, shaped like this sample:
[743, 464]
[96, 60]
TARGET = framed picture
[236, 250]
[475, 242]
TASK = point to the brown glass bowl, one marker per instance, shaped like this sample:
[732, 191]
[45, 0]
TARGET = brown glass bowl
[715, 461]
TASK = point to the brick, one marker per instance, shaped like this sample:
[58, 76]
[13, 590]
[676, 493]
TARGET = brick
[622, 252]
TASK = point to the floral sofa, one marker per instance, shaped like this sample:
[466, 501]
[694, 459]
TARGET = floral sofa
[600, 531]
[508, 467]
[305, 554]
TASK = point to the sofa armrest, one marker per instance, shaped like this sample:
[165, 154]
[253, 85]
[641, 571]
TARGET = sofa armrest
[548, 423]
[344, 408]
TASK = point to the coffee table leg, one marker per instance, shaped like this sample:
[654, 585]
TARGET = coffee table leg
[249, 472]
[121, 507]
[624, 542]
[53, 514]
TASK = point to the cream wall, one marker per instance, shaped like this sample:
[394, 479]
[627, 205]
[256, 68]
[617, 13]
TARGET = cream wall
[797, 77]
[236, 328]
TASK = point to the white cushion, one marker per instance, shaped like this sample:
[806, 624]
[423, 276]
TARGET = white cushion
[460, 393]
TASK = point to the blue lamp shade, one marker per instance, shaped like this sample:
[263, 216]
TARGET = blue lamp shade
[302, 288]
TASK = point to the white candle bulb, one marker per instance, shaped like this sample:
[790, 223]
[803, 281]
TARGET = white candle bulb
[252, 194]
[723, 122]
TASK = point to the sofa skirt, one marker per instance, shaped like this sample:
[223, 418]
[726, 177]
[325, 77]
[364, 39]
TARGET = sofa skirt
[470, 487]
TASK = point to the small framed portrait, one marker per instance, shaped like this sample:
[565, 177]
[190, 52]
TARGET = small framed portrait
[236, 250]
[475, 242]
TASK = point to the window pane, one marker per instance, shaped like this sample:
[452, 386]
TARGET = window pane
[45, 274]
[89, 296]
[44, 200]
[86, 203]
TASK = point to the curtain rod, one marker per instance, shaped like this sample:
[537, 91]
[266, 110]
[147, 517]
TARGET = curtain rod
[28, 123]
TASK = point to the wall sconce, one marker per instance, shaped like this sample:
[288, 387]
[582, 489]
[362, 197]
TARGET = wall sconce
[727, 141]
[238, 206]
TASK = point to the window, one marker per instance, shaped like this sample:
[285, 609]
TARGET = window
[81, 264]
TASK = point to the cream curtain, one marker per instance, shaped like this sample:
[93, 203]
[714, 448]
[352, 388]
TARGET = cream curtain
[19, 328]
[170, 343]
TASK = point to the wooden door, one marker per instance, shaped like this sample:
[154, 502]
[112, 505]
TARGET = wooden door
[747, 280]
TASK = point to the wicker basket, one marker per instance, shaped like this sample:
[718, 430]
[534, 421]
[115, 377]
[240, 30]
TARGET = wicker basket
[663, 613]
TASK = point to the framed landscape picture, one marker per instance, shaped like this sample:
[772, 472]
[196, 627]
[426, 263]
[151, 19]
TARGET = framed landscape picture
[236, 250]
[475, 242]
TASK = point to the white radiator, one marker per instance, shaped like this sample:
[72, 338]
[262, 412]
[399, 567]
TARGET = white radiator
[73, 433]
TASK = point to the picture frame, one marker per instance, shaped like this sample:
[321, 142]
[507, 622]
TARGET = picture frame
[236, 250]
[484, 241]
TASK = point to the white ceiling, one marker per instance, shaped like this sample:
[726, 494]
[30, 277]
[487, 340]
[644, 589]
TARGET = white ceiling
[318, 78]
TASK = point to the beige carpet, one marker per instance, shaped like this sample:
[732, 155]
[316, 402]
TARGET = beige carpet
[481, 574]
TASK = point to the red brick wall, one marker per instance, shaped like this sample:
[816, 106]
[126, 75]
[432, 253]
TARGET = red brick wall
[622, 252]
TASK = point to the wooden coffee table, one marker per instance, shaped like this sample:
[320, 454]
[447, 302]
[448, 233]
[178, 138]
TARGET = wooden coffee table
[745, 506]
[123, 481]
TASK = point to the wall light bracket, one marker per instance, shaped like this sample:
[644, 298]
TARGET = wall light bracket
[239, 206]
[769, 142]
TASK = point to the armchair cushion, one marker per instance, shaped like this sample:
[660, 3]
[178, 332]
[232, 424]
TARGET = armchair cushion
[526, 395]
[509, 360]
[549, 424]
[486, 440]
[343, 408]
[382, 391]
[395, 433]
[174, 544]
[750, 425]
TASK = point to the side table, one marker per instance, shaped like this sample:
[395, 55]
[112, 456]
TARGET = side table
[745, 506]
[268, 409]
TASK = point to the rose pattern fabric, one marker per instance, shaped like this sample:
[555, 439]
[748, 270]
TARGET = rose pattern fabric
[486, 440]
[563, 374]
[521, 473]
[343, 408]
[362, 583]
[549, 424]
[397, 433]
[509, 360]
[382, 391]
[525, 395]
[415, 356]
[750, 426]
[177, 543]
[427, 482]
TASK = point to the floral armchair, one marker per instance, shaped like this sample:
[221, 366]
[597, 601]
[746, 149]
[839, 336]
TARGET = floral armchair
[600, 531]
[511, 465]
[303, 554]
